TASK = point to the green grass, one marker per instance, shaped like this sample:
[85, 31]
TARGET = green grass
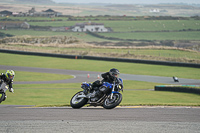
[159, 53]
[189, 35]
[128, 26]
[99, 66]
[123, 29]
[135, 92]
[129, 85]
[160, 98]
[81, 36]
[34, 76]
[151, 25]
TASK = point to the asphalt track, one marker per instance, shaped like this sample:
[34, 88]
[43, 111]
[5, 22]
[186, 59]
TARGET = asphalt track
[27, 119]
[24, 119]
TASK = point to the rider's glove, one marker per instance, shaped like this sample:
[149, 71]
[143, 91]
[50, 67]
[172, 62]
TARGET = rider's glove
[11, 90]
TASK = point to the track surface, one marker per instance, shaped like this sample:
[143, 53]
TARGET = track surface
[121, 119]
[20, 119]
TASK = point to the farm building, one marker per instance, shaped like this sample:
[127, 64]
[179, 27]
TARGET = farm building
[89, 26]
[14, 24]
[5, 13]
[46, 13]
[154, 10]
[51, 12]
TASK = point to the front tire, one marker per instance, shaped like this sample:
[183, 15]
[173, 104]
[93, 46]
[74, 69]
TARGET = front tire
[112, 103]
[2, 97]
[77, 102]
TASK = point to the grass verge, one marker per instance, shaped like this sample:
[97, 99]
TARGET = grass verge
[135, 93]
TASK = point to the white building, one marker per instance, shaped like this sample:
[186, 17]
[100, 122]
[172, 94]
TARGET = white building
[154, 10]
[89, 26]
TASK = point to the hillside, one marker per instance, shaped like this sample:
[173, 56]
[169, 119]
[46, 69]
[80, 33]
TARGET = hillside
[95, 9]
[28, 1]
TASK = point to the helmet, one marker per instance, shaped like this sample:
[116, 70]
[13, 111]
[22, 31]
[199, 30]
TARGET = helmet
[114, 72]
[10, 74]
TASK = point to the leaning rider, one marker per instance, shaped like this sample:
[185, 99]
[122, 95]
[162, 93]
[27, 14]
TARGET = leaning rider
[7, 78]
[110, 77]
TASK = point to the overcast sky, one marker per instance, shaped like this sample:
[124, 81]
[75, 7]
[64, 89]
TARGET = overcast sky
[129, 1]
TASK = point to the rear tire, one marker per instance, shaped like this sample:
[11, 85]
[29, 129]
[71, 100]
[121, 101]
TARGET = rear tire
[112, 103]
[76, 102]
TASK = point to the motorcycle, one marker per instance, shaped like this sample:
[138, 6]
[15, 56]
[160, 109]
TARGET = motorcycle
[3, 89]
[108, 100]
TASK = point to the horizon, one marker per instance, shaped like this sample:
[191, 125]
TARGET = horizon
[129, 1]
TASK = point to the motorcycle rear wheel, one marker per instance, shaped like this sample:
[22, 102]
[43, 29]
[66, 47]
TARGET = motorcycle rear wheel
[77, 102]
[112, 103]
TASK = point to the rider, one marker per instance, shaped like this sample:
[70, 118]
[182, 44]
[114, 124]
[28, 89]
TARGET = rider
[7, 78]
[110, 77]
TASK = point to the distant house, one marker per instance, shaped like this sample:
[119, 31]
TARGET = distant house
[6, 13]
[89, 26]
[51, 12]
[15, 14]
[154, 10]
[13, 24]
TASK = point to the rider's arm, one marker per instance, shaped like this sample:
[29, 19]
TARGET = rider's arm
[10, 83]
[10, 86]
[105, 75]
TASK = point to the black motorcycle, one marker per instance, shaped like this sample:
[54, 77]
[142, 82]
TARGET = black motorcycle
[108, 100]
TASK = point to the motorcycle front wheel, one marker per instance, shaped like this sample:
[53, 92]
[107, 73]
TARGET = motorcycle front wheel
[2, 97]
[78, 102]
[112, 103]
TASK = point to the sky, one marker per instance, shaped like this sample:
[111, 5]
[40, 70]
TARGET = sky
[129, 1]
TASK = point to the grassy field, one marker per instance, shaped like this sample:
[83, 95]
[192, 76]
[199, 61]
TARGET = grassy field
[189, 35]
[128, 26]
[135, 93]
[152, 52]
[60, 95]
[81, 36]
[174, 33]
[122, 29]
[99, 66]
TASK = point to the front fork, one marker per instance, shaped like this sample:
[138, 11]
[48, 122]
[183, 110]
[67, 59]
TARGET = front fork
[113, 89]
